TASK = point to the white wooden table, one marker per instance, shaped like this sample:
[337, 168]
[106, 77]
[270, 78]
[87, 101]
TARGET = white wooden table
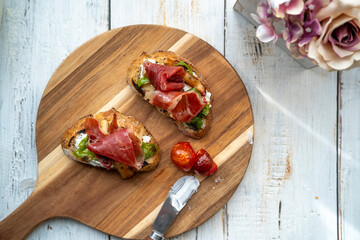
[303, 181]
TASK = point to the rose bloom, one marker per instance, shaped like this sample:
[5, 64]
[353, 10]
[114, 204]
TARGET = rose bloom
[338, 46]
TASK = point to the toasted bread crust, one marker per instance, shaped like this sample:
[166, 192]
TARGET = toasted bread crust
[104, 119]
[168, 58]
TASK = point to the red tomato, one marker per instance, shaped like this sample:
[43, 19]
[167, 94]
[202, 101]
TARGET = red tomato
[204, 163]
[183, 156]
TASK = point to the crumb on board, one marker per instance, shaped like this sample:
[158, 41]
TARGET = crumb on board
[251, 138]
[219, 180]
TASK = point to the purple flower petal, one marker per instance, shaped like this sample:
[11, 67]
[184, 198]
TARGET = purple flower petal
[265, 33]
[314, 25]
[305, 40]
[276, 3]
[311, 28]
[295, 7]
[280, 11]
[263, 10]
[295, 30]
[354, 48]
[316, 5]
[297, 18]
[264, 14]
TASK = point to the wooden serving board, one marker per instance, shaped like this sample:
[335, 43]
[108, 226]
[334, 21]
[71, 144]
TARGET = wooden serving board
[93, 79]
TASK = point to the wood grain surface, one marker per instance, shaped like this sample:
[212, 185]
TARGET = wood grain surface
[92, 79]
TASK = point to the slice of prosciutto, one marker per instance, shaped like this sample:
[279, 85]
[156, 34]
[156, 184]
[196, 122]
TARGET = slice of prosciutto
[139, 154]
[165, 78]
[182, 106]
[92, 129]
[94, 133]
[120, 145]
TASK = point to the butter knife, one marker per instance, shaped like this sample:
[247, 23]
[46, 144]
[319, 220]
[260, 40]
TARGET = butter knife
[177, 198]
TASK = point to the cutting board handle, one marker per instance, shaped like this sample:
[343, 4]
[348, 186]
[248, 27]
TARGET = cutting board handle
[25, 218]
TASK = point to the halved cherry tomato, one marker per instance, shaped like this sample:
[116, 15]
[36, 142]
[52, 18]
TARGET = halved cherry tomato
[204, 164]
[183, 156]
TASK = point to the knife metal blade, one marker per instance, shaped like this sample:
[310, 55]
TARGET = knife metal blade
[177, 198]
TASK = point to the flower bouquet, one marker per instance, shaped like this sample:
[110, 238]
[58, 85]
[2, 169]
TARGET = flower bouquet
[325, 31]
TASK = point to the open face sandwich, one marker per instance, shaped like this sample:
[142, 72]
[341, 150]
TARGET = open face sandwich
[112, 140]
[175, 87]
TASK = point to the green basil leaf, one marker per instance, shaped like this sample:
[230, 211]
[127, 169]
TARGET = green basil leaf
[197, 122]
[89, 153]
[83, 143]
[149, 149]
[82, 151]
[205, 110]
[182, 63]
[194, 89]
[78, 153]
[143, 81]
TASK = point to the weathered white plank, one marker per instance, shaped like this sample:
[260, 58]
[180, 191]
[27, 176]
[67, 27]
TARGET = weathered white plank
[289, 190]
[293, 167]
[1, 9]
[349, 152]
[202, 18]
[34, 38]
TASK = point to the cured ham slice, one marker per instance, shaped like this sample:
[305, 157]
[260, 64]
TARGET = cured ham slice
[113, 125]
[188, 107]
[94, 133]
[165, 78]
[107, 163]
[120, 145]
[139, 154]
[92, 129]
[183, 106]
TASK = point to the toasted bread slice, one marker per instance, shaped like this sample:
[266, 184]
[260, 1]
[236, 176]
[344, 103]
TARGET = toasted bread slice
[137, 71]
[76, 133]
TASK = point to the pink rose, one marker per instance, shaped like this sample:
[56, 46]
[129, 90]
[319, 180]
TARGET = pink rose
[338, 46]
